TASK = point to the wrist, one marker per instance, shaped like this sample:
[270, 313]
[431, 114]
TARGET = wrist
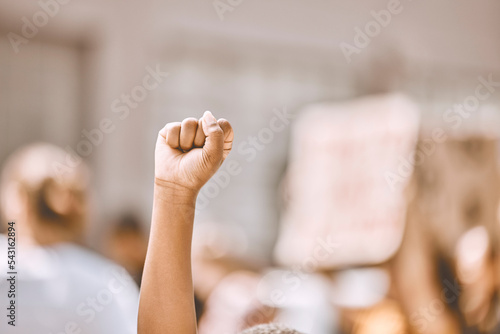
[174, 193]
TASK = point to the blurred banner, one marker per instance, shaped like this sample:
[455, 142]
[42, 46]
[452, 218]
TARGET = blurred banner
[348, 169]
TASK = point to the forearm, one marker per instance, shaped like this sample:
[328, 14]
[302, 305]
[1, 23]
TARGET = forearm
[167, 302]
[187, 154]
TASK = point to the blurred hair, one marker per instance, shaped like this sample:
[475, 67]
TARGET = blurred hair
[55, 197]
[270, 329]
[128, 223]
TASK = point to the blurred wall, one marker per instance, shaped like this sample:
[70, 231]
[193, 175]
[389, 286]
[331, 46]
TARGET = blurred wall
[264, 55]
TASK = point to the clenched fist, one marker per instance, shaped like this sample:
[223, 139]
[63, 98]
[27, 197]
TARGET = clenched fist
[188, 153]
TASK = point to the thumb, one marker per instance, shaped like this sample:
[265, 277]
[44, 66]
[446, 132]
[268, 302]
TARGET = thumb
[214, 142]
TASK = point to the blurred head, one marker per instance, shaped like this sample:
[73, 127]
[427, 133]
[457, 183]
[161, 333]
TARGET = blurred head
[270, 329]
[48, 204]
[127, 245]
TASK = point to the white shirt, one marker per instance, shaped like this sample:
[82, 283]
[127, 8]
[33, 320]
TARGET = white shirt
[66, 289]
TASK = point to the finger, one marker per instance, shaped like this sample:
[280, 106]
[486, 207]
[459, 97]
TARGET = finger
[199, 138]
[162, 136]
[163, 131]
[214, 142]
[228, 136]
[173, 132]
[188, 132]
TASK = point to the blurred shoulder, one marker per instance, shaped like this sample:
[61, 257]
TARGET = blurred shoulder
[90, 266]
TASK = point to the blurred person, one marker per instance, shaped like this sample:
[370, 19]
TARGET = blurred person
[475, 266]
[61, 287]
[127, 245]
[187, 155]
[445, 269]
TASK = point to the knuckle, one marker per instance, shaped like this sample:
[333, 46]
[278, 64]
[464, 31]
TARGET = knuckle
[172, 126]
[216, 130]
[190, 121]
[224, 123]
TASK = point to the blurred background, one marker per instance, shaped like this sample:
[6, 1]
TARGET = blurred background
[365, 128]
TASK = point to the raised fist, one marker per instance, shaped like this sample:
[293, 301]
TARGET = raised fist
[188, 153]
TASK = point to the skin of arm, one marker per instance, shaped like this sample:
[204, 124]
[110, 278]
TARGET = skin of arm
[187, 155]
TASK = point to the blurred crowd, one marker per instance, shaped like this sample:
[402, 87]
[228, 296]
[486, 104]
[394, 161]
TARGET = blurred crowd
[387, 225]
